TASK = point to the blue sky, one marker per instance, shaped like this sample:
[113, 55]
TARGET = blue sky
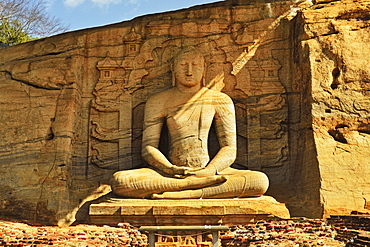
[80, 14]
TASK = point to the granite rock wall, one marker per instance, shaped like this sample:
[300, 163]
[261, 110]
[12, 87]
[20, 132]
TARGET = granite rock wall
[336, 36]
[72, 105]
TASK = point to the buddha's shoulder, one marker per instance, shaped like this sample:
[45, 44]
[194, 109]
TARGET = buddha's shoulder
[160, 99]
[218, 96]
[161, 96]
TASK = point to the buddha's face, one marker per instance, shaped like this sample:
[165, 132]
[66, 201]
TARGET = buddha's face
[189, 69]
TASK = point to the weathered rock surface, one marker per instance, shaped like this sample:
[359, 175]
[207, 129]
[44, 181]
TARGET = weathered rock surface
[337, 36]
[72, 105]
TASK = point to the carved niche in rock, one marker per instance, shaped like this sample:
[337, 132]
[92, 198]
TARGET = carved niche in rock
[111, 109]
[262, 135]
[259, 95]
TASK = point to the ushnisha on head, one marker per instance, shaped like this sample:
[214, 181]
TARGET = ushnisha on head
[188, 68]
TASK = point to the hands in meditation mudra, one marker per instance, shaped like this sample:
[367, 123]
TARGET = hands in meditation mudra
[189, 109]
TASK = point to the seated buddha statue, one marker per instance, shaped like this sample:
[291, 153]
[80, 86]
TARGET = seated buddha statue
[189, 109]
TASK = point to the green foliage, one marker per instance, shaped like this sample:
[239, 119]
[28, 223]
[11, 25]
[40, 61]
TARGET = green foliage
[26, 20]
[11, 33]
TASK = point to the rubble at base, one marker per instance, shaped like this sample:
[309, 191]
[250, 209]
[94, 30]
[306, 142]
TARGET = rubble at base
[19, 234]
[353, 229]
[293, 232]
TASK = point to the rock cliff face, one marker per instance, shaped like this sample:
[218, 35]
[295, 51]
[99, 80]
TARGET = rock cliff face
[72, 105]
[336, 37]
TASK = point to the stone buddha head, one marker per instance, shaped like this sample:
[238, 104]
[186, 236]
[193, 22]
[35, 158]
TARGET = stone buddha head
[188, 68]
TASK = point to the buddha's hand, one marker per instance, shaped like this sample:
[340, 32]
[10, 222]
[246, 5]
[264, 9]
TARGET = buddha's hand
[202, 172]
[183, 172]
[179, 171]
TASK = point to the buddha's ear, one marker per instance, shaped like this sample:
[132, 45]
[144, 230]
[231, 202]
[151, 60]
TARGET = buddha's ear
[204, 75]
[173, 76]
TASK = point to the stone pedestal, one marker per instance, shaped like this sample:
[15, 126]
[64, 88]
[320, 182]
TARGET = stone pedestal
[139, 212]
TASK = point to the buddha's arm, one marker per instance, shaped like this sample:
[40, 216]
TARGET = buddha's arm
[153, 122]
[226, 133]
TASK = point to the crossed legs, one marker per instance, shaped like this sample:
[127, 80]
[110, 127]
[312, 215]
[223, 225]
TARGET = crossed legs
[231, 183]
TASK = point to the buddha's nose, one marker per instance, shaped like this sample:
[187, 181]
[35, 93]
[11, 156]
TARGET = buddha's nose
[189, 70]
